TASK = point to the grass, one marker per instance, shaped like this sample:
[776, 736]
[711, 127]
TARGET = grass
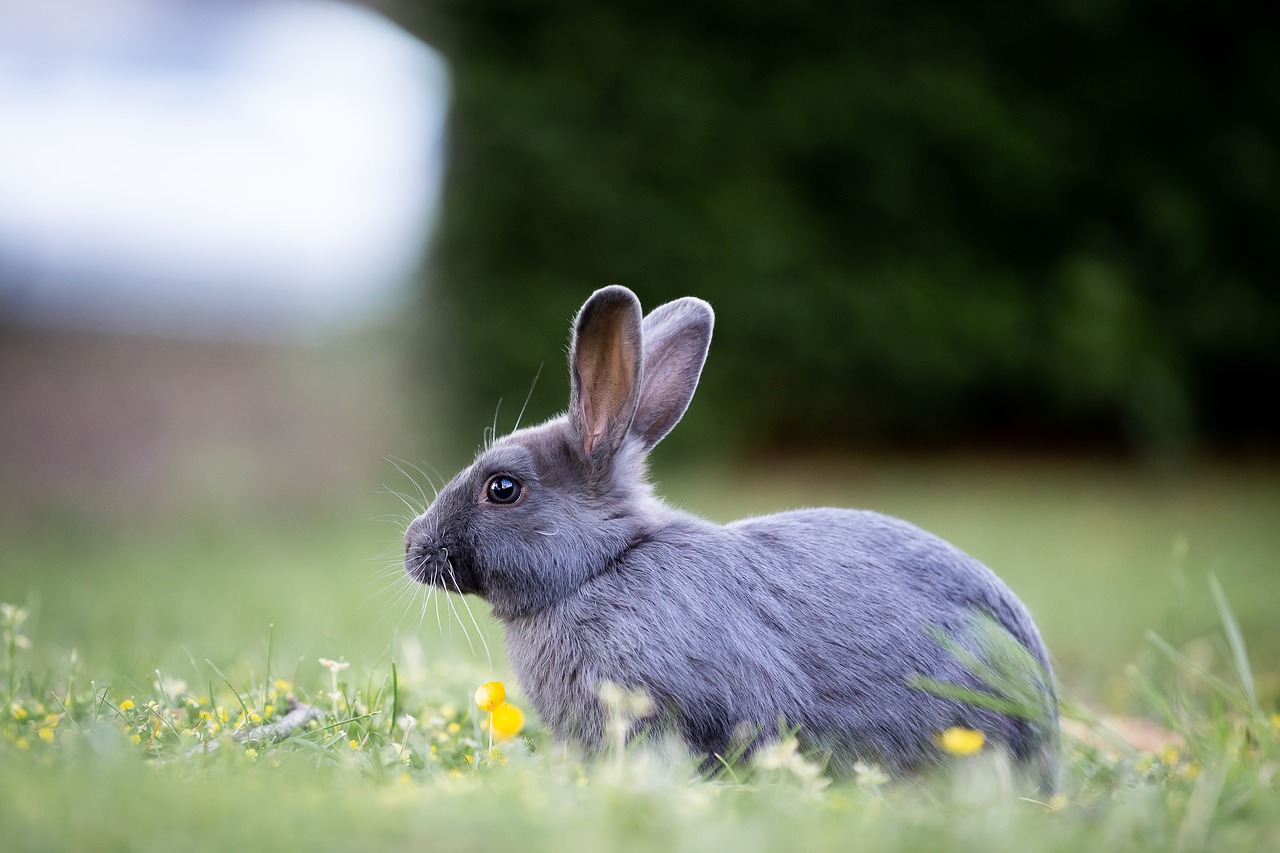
[128, 654]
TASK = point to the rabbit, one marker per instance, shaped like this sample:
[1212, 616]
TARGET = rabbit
[819, 622]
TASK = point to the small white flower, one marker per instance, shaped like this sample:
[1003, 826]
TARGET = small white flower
[870, 775]
[777, 755]
[172, 688]
[12, 615]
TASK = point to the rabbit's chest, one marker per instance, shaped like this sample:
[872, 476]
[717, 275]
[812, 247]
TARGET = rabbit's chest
[559, 663]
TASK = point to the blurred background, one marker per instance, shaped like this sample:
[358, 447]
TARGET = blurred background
[919, 223]
[1009, 273]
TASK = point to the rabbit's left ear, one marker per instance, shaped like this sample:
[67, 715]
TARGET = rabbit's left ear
[676, 338]
[604, 370]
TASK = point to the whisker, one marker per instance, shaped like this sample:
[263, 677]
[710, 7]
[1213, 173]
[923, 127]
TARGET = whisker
[412, 509]
[493, 430]
[389, 576]
[465, 633]
[391, 584]
[396, 464]
[393, 551]
[404, 602]
[426, 592]
[390, 561]
[412, 600]
[435, 594]
[528, 396]
[431, 480]
[408, 594]
[479, 631]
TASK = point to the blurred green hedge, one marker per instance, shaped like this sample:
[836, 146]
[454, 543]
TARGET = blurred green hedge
[920, 222]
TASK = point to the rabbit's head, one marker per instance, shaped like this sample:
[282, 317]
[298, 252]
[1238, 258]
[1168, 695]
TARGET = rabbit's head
[543, 510]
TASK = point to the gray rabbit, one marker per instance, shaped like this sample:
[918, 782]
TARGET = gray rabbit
[851, 628]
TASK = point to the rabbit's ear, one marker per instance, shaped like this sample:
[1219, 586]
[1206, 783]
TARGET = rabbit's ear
[676, 338]
[604, 369]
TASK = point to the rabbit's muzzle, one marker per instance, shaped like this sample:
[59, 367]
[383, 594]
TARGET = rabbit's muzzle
[426, 562]
[429, 561]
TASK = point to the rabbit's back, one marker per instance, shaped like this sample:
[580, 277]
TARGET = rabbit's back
[885, 577]
[882, 590]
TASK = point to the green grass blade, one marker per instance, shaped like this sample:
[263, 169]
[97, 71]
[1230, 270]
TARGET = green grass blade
[395, 700]
[1019, 686]
[234, 692]
[1240, 656]
[1156, 700]
[969, 696]
[266, 673]
[1179, 660]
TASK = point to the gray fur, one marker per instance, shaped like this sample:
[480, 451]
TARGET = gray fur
[816, 620]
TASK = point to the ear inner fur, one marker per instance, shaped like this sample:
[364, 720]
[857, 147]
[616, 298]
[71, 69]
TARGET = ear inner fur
[605, 369]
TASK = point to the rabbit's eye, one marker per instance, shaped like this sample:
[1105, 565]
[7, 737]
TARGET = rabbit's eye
[502, 489]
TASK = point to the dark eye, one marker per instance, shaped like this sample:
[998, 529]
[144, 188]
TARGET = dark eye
[502, 489]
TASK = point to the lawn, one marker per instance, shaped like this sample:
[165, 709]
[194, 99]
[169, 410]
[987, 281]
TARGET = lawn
[138, 645]
[196, 539]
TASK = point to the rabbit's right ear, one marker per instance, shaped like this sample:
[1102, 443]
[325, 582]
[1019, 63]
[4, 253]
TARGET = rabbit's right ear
[676, 338]
[604, 370]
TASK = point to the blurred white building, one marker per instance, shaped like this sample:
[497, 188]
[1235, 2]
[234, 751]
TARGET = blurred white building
[227, 169]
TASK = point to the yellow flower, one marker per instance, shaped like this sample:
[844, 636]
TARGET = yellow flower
[961, 741]
[19, 713]
[506, 720]
[353, 743]
[135, 738]
[282, 685]
[46, 734]
[490, 695]
[126, 705]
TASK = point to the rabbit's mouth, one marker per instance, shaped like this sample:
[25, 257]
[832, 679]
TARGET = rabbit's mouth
[433, 565]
